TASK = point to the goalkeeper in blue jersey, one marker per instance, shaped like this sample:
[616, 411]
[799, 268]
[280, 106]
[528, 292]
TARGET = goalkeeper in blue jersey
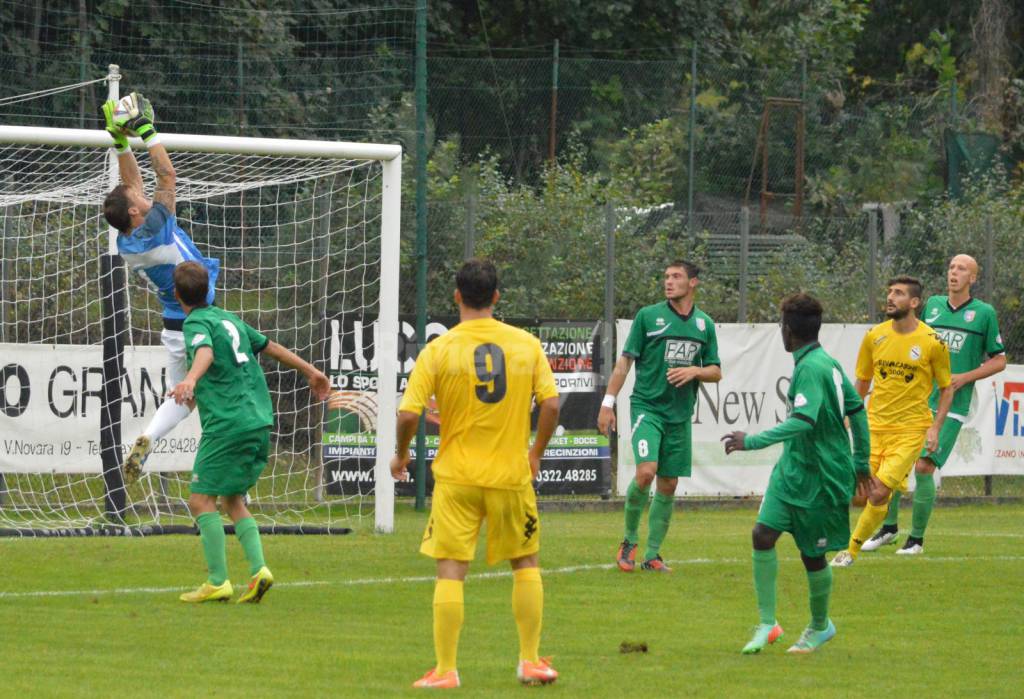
[152, 244]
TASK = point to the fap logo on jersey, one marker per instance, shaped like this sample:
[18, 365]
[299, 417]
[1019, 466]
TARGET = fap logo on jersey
[680, 352]
[952, 339]
[915, 353]
[933, 316]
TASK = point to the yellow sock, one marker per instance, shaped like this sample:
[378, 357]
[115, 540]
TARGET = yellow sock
[870, 518]
[448, 614]
[528, 609]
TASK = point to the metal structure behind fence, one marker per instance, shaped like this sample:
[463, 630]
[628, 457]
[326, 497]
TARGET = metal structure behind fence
[694, 123]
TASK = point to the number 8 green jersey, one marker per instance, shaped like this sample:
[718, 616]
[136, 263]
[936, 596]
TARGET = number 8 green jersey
[971, 332]
[661, 339]
[232, 395]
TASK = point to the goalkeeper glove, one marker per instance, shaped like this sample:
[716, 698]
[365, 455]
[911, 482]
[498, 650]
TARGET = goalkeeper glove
[134, 115]
[120, 139]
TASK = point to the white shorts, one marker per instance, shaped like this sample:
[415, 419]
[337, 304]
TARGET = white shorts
[174, 343]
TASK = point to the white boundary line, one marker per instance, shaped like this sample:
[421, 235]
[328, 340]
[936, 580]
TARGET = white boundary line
[870, 559]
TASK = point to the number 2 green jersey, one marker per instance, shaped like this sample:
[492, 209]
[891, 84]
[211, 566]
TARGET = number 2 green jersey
[661, 339]
[232, 395]
[971, 332]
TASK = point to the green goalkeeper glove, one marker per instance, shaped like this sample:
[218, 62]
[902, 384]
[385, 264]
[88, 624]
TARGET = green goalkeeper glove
[134, 115]
[120, 139]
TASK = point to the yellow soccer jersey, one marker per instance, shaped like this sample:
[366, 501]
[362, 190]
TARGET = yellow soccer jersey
[484, 375]
[901, 369]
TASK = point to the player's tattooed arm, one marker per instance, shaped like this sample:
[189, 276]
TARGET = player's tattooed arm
[128, 166]
[166, 177]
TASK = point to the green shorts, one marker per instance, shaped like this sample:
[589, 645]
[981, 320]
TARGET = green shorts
[815, 530]
[230, 464]
[947, 440]
[668, 443]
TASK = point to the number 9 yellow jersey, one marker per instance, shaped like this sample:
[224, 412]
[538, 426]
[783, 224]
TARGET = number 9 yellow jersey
[485, 376]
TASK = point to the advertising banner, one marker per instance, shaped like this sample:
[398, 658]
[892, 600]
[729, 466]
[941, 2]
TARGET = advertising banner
[751, 397]
[577, 459]
[50, 402]
[992, 440]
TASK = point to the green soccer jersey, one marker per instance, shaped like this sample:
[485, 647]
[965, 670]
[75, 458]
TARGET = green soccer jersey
[971, 332]
[661, 339]
[232, 395]
[816, 467]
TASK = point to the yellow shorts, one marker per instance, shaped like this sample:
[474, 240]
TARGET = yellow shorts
[457, 511]
[893, 455]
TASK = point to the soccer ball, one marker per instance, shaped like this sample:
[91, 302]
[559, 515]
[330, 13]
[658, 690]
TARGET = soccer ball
[130, 107]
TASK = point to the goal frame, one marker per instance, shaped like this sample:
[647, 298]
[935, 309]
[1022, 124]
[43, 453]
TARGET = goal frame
[390, 157]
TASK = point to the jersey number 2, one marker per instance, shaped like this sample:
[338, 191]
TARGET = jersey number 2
[492, 386]
[236, 341]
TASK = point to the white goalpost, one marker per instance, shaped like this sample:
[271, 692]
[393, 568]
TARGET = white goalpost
[307, 234]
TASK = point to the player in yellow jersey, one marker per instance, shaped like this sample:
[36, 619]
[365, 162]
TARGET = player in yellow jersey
[898, 359]
[485, 376]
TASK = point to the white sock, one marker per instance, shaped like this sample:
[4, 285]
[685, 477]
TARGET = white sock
[167, 417]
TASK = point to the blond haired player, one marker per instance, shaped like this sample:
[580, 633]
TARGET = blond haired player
[899, 360]
[485, 376]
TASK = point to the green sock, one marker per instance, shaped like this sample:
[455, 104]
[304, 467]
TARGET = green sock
[892, 517]
[657, 523]
[766, 570]
[819, 584]
[248, 533]
[211, 532]
[636, 499]
[924, 501]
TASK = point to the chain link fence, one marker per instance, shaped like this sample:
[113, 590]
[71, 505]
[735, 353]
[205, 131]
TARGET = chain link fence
[772, 180]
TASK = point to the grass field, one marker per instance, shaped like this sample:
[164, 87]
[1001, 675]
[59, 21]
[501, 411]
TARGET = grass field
[350, 616]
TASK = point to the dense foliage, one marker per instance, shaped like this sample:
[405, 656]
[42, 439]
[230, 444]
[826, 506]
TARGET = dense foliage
[882, 85]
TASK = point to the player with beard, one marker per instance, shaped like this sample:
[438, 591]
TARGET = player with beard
[970, 329]
[898, 362]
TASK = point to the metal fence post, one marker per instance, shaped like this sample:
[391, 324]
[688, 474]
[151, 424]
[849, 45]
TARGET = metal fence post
[872, 264]
[607, 337]
[471, 199]
[552, 134]
[990, 292]
[741, 314]
[83, 58]
[990, 261]
[241, 88]
[692, 136]
[421, 232]
[608, 347]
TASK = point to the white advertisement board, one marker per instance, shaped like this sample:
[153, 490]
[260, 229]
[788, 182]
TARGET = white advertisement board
[752, 397]
[50, 402]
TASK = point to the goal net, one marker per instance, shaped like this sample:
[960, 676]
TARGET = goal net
[307, 234]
